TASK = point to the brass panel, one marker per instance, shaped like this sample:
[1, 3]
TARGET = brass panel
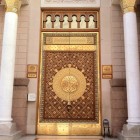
[69, 47]
[69, 84]
[31, 68]
[107, 69]
[85, 129]
[70, 128]
[59, 90]
[107, 76]
[63, 128]
[107, 72]
[32, 71]
[57, 40]
[49, 128]
[32, 75]
[82, 40]
[69, 40]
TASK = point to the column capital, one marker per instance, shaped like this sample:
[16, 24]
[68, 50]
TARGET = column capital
[13, 5]
[128, 5]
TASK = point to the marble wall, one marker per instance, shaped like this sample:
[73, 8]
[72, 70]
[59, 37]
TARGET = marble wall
[19, 109]
[105, 44]
[118, 105]
[33, 58]
[118, 56]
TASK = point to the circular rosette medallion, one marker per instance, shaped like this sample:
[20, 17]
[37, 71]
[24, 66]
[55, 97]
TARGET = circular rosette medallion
[69, 84]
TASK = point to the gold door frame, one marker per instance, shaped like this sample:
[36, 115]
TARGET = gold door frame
[70, 128]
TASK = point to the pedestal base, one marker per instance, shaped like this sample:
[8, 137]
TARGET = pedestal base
[8, 131]
[130, 132]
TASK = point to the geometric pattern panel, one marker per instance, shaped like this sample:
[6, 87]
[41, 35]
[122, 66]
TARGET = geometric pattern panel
[82, 108]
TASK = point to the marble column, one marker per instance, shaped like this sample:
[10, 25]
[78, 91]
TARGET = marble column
[7, 64]
[132, 70]
[131, 61]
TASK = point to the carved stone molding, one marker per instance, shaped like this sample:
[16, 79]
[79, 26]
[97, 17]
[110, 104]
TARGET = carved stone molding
[13, 5]
[128, 5]
[70, 3]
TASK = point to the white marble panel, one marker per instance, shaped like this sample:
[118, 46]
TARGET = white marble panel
[70, 3]
[48, 23]
[74, 22]
[91, 23]
[57, 22]
[82, 23]
[65, 23]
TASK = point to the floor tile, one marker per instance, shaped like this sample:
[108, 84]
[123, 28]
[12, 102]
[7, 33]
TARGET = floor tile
[33, 137]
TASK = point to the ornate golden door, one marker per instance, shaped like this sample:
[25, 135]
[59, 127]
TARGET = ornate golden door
[69, 86]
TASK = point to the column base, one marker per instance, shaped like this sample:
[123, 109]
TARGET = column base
[8, 131]
[130, 132]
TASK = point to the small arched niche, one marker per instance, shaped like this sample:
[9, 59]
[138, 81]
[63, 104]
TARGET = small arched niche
[74, 22]
[48, 22]
[82, 22]
[91, 24]
[65, 22]
[57, 22]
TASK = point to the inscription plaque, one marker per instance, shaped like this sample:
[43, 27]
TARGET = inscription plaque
[107, 72]
[31, 71]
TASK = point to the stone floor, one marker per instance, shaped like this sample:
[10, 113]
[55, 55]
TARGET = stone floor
[33, 137]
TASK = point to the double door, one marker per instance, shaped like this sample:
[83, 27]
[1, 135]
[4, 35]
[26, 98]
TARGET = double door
[69, 85]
